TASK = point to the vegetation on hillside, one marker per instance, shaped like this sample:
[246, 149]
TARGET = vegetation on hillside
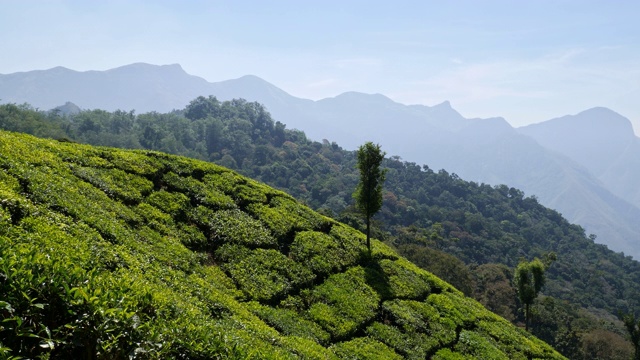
[114, 254]
[472, 235]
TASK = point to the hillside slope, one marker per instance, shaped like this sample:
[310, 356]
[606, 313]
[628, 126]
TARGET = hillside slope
[109, 254]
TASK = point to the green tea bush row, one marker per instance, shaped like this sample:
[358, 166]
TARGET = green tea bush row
[479, 347]
[344, 303]
[418, 317]
[410, 345]
[290, 322]
[283, 215]
[203, 193]
[237, 227]
[364, 348]
[322, 253]
[116, 183]
[263, 274]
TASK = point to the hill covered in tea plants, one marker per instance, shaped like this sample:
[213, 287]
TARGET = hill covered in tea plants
[113, 254]
[470, 235]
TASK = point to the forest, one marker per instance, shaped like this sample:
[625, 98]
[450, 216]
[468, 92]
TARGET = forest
[471, 235]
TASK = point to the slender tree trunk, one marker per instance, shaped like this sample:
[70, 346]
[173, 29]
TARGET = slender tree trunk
[368, 235]
[526, 317]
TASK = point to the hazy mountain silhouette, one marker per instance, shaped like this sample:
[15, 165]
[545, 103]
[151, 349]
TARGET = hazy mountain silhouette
[601, 140]
[139, 86]
[582, 165]
[68, 108]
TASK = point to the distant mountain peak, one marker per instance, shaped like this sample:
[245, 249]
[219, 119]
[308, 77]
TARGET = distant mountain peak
[362, 97]
[251, 80]
[68, 108]
[445, 104]
[58, 70]
[595, 123]
[601, 110]
[251, 77]
[604, 115]
[145, 67]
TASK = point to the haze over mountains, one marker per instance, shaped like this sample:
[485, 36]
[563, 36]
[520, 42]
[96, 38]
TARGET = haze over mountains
[587, 166]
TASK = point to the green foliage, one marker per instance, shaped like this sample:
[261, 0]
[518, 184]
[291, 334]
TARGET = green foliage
[445, 266]
[263, 274]
[415, 316]
[513, 343]
[494, 289]
[173, 204]
[479, 347]
[235, 226]
[112, 254]
[322, 253]
[289, 322]
[205, 193]
[529, 280]
[364, 348]
[368, 194]
[397, 279]
[283, 215]
[409, 345]
[116, 183]
[633, 329]
[448, 354]
[343, 303]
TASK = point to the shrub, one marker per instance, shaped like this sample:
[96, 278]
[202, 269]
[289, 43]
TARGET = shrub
[202, 193]
[289, 322]
[136, 162]
[235, 226]
[448, 354]
[283, 215]
[344, 303]
[263, 274]
[396, 280]
[410, 345]
[477, 346]
[364, 348]
[322, 253]
[173, 204]
[116, 183]
[414, 316]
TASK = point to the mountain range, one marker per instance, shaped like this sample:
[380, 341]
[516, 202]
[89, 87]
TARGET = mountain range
[587, 166]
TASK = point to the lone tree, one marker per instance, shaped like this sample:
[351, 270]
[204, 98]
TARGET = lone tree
[368, 194]
[529, 279]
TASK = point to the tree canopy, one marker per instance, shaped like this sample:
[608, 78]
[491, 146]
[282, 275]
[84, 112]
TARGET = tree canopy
[529, 279]
[368, 194]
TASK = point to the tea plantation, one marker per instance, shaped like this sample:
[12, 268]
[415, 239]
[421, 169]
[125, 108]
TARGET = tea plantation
[113, 254]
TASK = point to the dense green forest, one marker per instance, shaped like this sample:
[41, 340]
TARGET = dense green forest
[122, 254]
[470, 234]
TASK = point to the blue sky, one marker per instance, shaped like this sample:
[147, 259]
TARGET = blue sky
[527, 61]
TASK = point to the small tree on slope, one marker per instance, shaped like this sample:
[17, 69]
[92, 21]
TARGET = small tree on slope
[529, 279]
[368, 194]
